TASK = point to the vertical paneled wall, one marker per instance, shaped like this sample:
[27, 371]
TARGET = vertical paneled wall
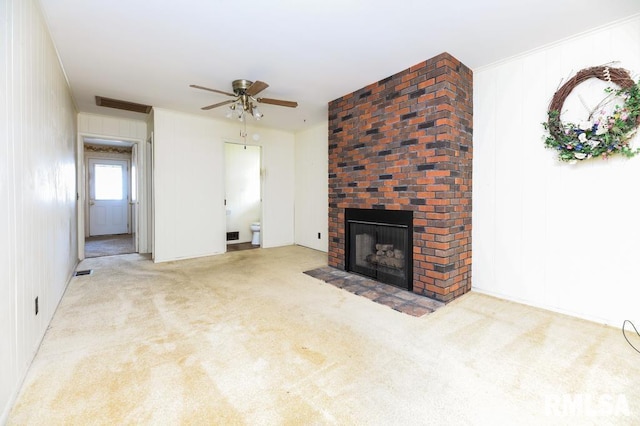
[112, 127]
[38, 249]
[555, 235]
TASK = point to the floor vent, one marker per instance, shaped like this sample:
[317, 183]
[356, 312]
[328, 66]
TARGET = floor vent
[233, 236]
[84, 272]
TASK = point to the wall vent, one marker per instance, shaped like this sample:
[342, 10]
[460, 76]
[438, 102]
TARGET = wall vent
[233, 236]
[125, 105]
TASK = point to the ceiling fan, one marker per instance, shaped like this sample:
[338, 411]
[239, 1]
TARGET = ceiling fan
[244, 94]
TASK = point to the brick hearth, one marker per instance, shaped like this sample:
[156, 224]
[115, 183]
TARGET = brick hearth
[405, 143]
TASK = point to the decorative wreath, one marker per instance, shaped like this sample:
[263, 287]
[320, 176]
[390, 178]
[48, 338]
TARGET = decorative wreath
[600, 135]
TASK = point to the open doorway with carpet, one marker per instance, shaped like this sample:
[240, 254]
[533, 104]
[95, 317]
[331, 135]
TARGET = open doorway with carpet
[108, 245]
[112, 194]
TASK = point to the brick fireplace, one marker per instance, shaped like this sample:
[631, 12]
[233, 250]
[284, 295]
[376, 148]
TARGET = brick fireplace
[405, 143]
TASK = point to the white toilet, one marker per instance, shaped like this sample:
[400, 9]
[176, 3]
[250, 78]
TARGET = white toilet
[255, 228]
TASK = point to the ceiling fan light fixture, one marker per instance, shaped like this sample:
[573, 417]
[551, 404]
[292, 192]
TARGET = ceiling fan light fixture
[245, 92]
[257, 114]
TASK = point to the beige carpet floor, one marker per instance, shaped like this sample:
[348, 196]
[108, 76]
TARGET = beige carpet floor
[108, 245]
[248, 338]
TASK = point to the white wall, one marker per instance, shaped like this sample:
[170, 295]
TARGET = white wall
[559, 236]
[277, 226]
[97, 125]
[312, 199]
[38, 250]
[189, 184]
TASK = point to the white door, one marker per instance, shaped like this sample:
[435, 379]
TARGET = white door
[108, 197]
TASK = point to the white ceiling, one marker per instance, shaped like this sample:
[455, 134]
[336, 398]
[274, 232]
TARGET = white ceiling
[309, 51]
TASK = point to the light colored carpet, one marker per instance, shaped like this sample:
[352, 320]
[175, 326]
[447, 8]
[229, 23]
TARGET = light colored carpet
[108, 245]
[247, 338]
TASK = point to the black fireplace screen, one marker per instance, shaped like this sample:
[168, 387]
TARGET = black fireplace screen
[379, 245]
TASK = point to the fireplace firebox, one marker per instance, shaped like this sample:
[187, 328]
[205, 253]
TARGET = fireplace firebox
[379, 245]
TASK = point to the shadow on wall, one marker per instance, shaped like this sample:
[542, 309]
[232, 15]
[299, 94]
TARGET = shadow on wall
[242, 189]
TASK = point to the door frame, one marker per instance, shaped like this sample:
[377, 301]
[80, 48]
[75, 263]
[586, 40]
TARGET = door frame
[262, 176]
[144, 209]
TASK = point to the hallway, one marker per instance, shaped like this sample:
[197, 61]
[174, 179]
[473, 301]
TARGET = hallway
[108, 245]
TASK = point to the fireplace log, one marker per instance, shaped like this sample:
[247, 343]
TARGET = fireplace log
[389, 262]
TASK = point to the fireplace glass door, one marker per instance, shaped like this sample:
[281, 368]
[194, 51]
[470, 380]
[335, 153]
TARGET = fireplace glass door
[380, 250]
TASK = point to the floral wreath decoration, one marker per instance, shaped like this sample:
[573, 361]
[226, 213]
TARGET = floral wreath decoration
[600, 135]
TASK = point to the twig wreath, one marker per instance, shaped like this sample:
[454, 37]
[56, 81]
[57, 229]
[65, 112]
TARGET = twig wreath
[600, 135]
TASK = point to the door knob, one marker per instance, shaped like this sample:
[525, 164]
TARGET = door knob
[91, 202]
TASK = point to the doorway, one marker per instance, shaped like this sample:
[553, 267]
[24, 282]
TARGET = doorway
[243, 196]
[109, 207]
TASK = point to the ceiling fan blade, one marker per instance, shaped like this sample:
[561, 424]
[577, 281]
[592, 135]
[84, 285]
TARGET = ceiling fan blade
[279, 102]
[195, 86]
[256, 88]
[218, 104]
